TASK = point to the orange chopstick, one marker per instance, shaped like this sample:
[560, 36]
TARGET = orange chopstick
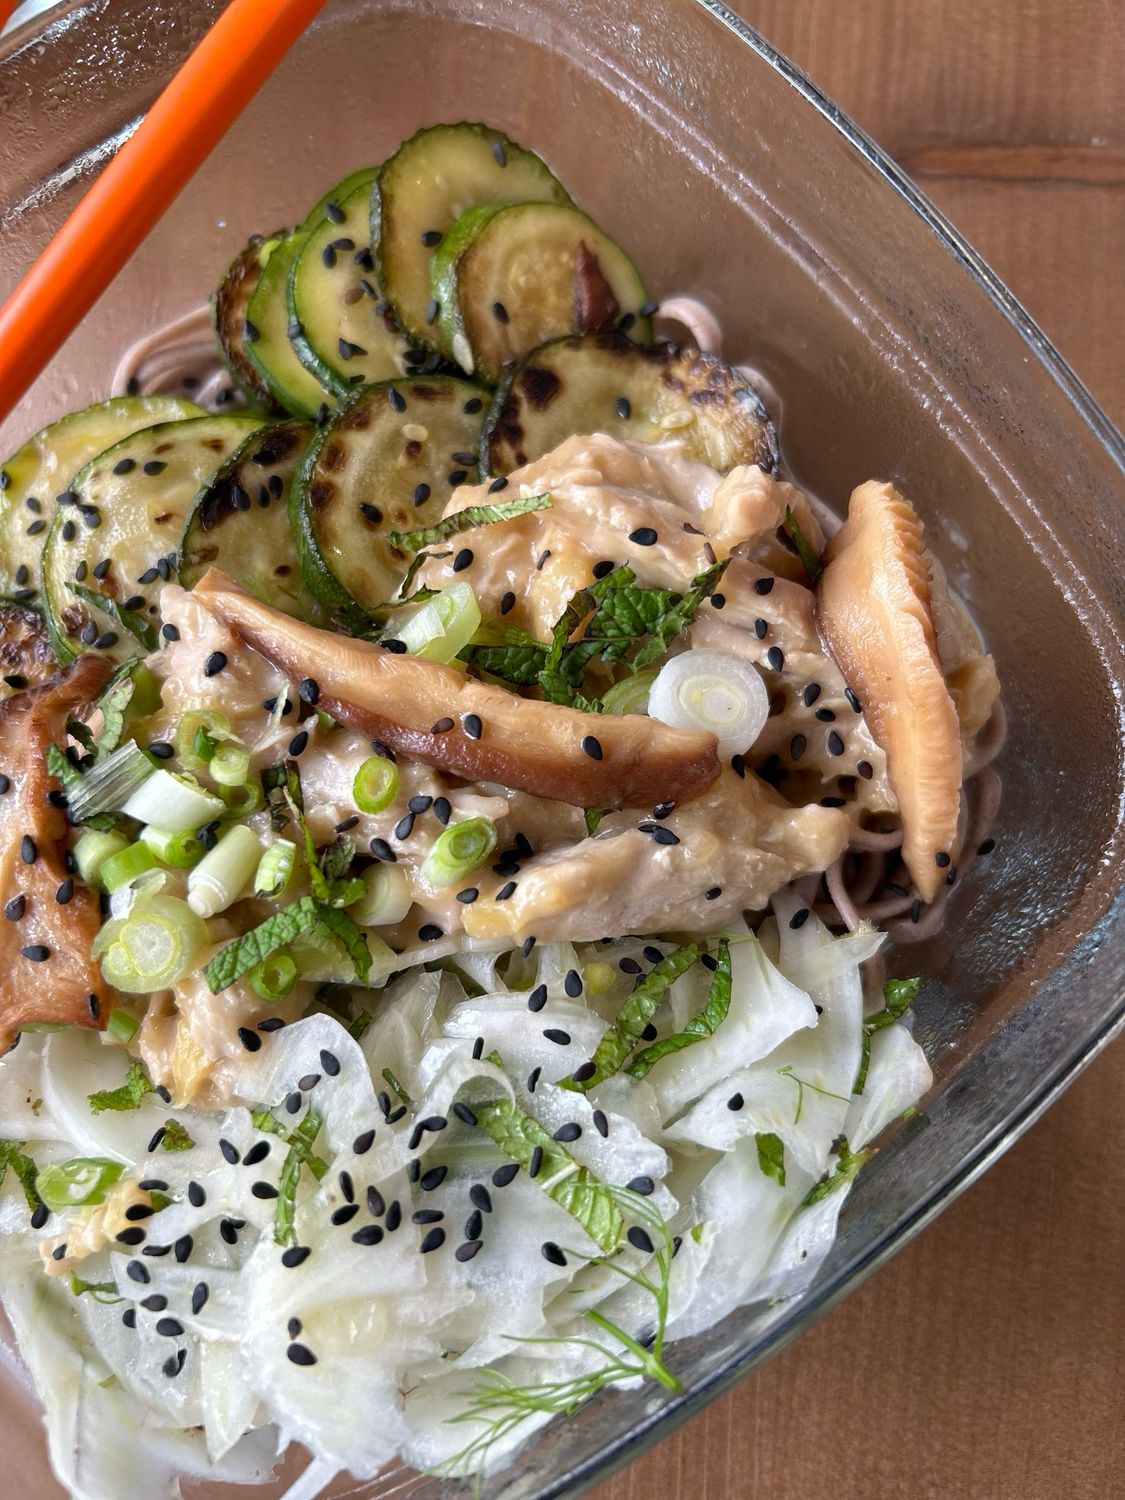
[206, 96]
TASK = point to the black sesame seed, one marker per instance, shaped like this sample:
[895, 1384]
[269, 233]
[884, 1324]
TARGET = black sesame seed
[156, 1303]
[427, 1216]
[472, 726]
[214, 663]
[197, 1195]
[163, 569]
[559, 1037]
[170, 632]
[271, 1023]
[264, 1190]
[797, 746]
[915, 911]
[5, 783]
[536, 1162]
[775, 659]
[763, 585]
[295, 1256]
[249, 1039]
[644, 536]
[592, 747]
[457, 476]
[463, 560]
[345, 1214]
[138, 1211]
[585, 1072]
[640, 1239]
[228, 1231]
[382, 850]
[538, 998]
[986, 848]
[429, 932]
[301, 1354]
[29, 853]
[713, 894]
[499, 312]
[663, 836]
[835, 743]
[552, 1253]
[37, 952]
[69, 531]
[107, 639]
[533, 1080]
[799, 918]
[825, 716]
[161, 749]
[572, 984]
[40, 1216]
[183, 1248]
[735, 1103]
[507, 603]
[299, 743]
[157, 466]
[137, 1271]
[865, 769]
[853, 701]
[256, 1154]
[567, 1133]
[505, 1174]
[371, 512]
[199, 1296]
[370, 1234]
[506, 890]
[308, 1081]
[468, 895]
[15, 908]
[643, 1186]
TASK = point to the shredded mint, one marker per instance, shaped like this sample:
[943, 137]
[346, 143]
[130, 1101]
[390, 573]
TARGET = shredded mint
[13, 1155]
[299, 1154]
[619, 1041]
[898, 996]
[115, 700]
[705, 1024]
[130, 621]
[848, 1163]
[62, 769]
[802, 1085]
[519, 1135]
[347, 931]
[467, 520]
[101, 1291]
[520, 665]
[771, 1155]
[395, 1087]
[129, 1096]
[805, 549]
[594, 815]
[357, 1030]
[266, 1121]
[285, 800]
[237, 958]
[281, 785]
[680, 615]
[175, 1137]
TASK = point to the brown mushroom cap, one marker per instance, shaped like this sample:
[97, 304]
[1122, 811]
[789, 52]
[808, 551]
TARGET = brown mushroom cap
[445, 718]
[874, 608]
[63, 987]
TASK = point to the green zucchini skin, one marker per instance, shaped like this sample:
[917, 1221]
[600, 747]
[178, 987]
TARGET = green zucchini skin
[239, 521]
[44, 466]
[509, 277]
[603, 382]
[431, 179]
[230, 308]
[388, 461]
[132, 516]
[26, 657]
[267, 342]
[339, 325]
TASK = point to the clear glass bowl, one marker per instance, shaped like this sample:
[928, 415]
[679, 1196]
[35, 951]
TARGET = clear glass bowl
[894, 351]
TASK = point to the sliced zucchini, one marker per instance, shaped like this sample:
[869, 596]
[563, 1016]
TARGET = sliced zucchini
[26, 658]
[507, 278]
[428, 183]
[268, 342]
[118, 537]
[389, 461]
[342, 329]
[230, 306]
[603, 382]
[42, 468]
[240, 521]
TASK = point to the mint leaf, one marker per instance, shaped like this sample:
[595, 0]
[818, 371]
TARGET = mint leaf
[680, 615]
[616, 1045]
[281, 785]
[299, 1154]
[357, 1030]
[467, 520]
[805, 549]
[13, 1155]
[237, 958]
[346, 930]
[519, 665]
[771, 1155]
[129, 1096]
[114, 703]
[396, 1088]
[129, 620]
[705, 1024]
[519, 1135]
[61, 769]
[101, 1291]
[898, 996]
[848, 1163]
[175, 1137]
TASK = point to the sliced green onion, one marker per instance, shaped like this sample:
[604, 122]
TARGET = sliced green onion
[197, 734]
[274, 868]
[122, 1026]
[711, 691]
[180, 850]
[458, 850]
[386, 896]
[154, 946]
[442, 626]
[111, 782]
[599, 978]
[274, 977]
[91, 852]
[230, 765]
[630, 695]
[242, 800]
[74, 1184]
[146, 697]
[220, 877]
[172, 802]
[376, 784]
[125, 865]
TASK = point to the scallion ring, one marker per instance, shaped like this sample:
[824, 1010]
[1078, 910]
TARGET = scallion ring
[458, 850]
[710, 691]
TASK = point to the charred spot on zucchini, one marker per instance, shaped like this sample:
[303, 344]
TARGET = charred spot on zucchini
[239, 521]
[118, 537]
[507, 278]
[41, 470]
[604, 382]
[230, 308]
[339, 324]
[428, 183]
[26, 658]
[388, 462]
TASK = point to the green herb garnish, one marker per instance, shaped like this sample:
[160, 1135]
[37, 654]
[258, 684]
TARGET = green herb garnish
[175, 1137]
[299, 1154]
[466, 520]
[13, 1155]
[705, 1024]
[805, 549]
[130, 1095]
[129, 620]
[618, 1042]
[847, 1165]
[771, 1155]
[898, 996]
[101, 1291]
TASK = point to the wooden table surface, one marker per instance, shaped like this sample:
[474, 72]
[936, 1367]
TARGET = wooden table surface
[987, 1361]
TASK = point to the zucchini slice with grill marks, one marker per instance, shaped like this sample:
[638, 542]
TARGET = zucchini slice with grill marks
[240, 521]
[118, 536]
[342, 329]
[603, 382]
[507, 278]
[230, 305]
[26, 658]
[43, 467]
[389, 461]
[428, 183]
